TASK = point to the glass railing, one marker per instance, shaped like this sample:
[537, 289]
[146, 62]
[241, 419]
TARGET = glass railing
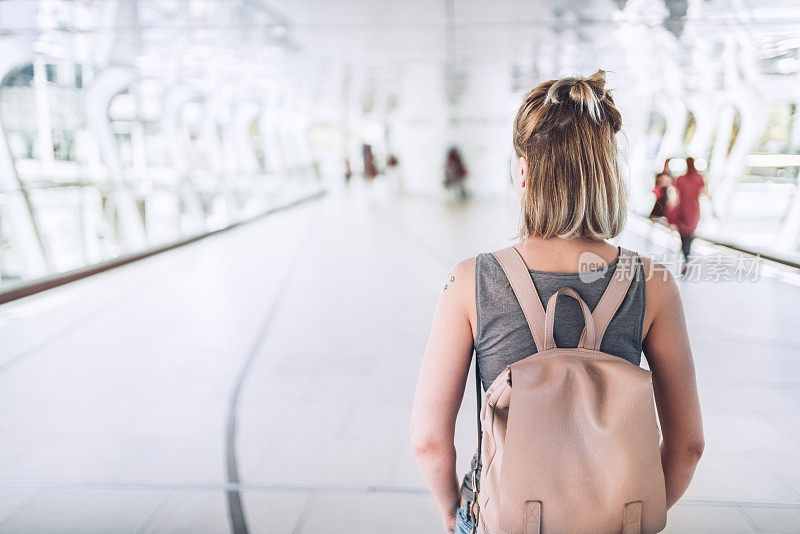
[50, 228]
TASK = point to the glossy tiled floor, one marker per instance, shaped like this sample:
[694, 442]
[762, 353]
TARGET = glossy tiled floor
[284, 355]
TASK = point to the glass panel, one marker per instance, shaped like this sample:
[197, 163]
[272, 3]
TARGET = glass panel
[13, 268]
[776, 138]
[656, 129]
[80, 212]
[52, 73]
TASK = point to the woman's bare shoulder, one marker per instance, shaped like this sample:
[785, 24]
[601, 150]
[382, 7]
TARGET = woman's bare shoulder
[459, 288]
[462, 275]
[659, 278]
[661, 290]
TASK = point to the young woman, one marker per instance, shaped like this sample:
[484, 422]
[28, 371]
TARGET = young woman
[572, 199]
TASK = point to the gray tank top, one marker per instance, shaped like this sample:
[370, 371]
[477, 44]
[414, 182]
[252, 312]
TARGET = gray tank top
[502, 335]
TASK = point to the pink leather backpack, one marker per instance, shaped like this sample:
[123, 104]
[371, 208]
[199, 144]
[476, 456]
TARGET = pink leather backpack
[568, 438]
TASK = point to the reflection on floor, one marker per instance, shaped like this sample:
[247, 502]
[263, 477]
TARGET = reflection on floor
[119, 408]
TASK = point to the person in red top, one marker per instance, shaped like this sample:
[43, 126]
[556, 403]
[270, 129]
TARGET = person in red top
[686, 214]
[664, 182]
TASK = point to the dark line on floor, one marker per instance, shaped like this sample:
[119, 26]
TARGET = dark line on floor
[749, 520]
[301, 521]
[236, 515]
[23, 504]
[154, 515]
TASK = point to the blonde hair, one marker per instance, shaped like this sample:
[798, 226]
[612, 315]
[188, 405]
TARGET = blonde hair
[566, 130]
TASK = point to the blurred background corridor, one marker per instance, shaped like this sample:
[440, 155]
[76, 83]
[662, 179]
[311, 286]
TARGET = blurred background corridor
[224, 225]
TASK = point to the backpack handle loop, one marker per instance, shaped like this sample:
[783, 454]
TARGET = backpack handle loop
[588, 339]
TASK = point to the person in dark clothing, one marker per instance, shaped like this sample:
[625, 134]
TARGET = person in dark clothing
[370, 170]
[455, 172]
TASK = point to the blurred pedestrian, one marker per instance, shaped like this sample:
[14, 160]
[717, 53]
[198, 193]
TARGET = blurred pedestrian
[348, 172]
[665, 193]
[393, 172]
[370, 171]
[455, 173]
[686, 214]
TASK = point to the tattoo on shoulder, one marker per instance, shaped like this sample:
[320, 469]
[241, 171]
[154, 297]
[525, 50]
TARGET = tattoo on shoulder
[449, 281]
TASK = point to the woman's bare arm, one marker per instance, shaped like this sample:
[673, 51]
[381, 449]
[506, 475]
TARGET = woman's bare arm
[669, 356]
[440, 388]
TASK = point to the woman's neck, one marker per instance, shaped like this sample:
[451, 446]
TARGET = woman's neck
[565, 254]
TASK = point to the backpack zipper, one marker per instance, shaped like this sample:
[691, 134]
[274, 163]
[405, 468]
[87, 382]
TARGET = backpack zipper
[508, 369]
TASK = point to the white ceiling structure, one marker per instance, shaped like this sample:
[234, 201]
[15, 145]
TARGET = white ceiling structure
[313, 42]
[433, 72]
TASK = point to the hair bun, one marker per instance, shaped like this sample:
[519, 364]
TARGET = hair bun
[586, 93]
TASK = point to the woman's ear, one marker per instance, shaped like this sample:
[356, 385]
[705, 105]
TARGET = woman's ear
[522, 169]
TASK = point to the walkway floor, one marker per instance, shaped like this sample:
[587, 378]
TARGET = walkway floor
[262, 379]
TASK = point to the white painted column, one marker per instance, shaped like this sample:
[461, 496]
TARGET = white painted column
[174, 99]
[106, 84]
[420, 129]
[43, 114]
[18, 211]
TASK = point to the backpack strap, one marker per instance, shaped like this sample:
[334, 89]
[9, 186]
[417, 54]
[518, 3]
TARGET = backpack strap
[522, 284]
[588, 336]
[613, 296]
[632, 522]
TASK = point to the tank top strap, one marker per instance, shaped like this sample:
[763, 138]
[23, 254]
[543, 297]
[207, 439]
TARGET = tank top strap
[614, 294]
[524, 289]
